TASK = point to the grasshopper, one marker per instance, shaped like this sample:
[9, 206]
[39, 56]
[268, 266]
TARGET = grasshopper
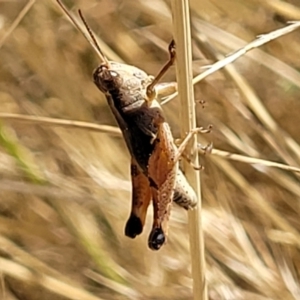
[155, 175]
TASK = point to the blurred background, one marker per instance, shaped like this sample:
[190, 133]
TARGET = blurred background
[65, 192]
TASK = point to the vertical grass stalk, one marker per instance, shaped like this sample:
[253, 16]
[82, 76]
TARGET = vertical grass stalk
[181, 24]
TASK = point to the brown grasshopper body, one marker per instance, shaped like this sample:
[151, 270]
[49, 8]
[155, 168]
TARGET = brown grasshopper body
[154, 171]
[155, 174]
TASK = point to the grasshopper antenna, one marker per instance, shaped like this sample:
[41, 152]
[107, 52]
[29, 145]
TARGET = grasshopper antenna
[90, 37]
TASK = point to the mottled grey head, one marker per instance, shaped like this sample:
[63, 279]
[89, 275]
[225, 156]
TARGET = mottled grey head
[124, 83]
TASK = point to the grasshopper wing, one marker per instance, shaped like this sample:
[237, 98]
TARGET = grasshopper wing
[141, 196]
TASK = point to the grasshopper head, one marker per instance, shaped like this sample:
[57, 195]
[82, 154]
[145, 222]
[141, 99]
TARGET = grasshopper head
[118, 78]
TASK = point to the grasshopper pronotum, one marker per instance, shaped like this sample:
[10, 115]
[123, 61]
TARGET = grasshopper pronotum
[155, 174]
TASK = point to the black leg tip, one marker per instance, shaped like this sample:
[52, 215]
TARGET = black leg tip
[156, 239]
[133, 227]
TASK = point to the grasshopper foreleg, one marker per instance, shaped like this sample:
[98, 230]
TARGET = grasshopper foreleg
[151, 91]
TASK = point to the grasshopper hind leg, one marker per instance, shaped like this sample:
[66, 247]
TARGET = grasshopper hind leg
[183, 195]
[158, 234]
[141, 196]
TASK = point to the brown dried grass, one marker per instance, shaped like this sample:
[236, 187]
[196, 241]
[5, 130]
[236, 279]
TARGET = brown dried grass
[65, 191]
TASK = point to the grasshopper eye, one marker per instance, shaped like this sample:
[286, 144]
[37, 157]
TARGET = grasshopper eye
[108, 75]
[106, 79]
[114, 74]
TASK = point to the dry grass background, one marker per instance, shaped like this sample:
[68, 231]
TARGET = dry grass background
[65, 192]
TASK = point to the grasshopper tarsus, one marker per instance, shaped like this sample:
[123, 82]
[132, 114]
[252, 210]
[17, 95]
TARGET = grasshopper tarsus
[172, 51]
[201, 102]
[198, 168]
[208, 129]
[195, 167]
[207, 149]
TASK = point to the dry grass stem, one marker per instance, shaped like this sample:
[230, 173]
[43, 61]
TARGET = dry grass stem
[115, 131]
[16, 22]
[261, 40]
[252, 160]
[45, 121]
[182, 35]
